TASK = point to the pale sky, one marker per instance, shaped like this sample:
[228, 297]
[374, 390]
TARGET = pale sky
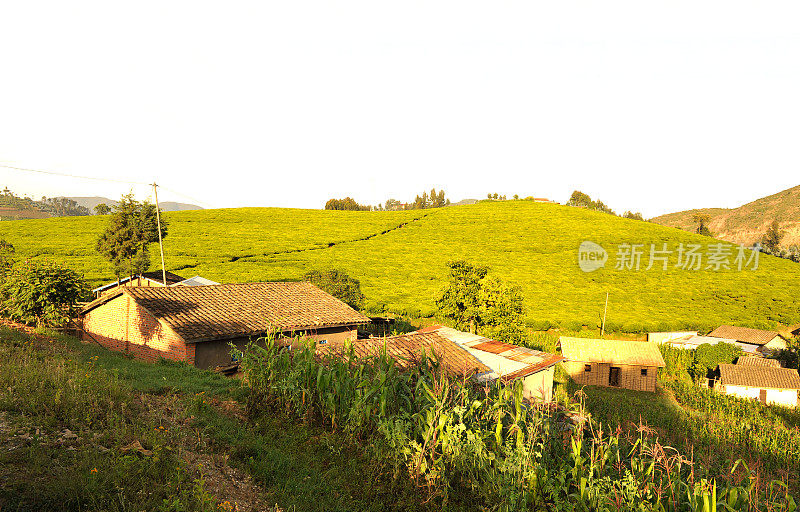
[651, 107]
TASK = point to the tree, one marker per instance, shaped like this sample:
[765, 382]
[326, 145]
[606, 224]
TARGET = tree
[702, 220]
[41, 293]
[708, 356]
[130, 230]
[102, 209]
[495, 196]
[578, 198]
[348, 203]
[516, 197]
[338, 284]
[771, 240]
[489, 195]
[460, 300]
[501, 310]
[632, 215]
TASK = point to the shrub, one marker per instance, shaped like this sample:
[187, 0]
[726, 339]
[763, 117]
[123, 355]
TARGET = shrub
[707, 357]
[338, 284]
[41, 293]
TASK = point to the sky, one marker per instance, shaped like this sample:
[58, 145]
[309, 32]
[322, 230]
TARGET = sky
[649, 106]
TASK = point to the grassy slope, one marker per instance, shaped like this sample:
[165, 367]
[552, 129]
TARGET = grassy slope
[747, 223]
[529, 244]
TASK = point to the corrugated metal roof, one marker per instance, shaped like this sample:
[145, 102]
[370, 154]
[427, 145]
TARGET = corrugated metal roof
[632, 353]
[195, 281]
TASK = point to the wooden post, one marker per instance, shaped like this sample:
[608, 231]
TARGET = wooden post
[160, 243]
[603, 326]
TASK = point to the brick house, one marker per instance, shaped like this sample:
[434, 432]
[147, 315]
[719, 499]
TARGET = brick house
[614, 363]
[196, 323]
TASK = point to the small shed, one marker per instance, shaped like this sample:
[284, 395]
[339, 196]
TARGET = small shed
[761, 341]
[768, 385]
[614, 363]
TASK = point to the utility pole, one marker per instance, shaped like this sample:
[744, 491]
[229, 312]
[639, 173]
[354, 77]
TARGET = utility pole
[603, 327]
[160, 243]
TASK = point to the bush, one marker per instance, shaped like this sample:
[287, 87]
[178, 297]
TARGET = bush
[338, 284]
[41, 293]
[707, 357]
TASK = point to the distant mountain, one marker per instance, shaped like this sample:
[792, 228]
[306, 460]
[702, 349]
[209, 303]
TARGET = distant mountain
[746, 224]
[464, 201]
[167, 206]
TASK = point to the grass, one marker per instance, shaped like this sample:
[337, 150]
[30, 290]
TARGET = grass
[51, 382]
[531, 245]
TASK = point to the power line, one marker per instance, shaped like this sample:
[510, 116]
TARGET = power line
[95, 178]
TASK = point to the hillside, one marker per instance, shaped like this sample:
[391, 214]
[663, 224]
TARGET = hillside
[167, 206]
[746, 224]
[400, 259]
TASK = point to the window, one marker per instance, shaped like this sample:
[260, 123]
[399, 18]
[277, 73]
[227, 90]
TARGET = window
[587, 368]
[323, 342]
[644, 372]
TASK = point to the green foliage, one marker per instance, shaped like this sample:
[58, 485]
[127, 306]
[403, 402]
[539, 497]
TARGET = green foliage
[527, 244]
[460, 301]
[55, 206]
[483, 445]
[702, 220]
[582, 200]
[338, 284]
[771, 241]
[632, 215]
[131, 229]
[41, 293]
[348, 203]
[102, 209]
[6, 256]
[707, 357]
[501, 310]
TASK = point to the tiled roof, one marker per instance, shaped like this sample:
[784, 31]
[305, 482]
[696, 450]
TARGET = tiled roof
[407, 350]
[633, 353]
[758, 376]
[758, 361]
[201, 313]
[506, 361]
[744, 334]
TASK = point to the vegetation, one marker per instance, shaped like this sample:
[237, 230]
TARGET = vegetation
[582, 200]
[41, 293]
[398, 257]
[480, 448]
[478, 302]
[55, 206]
[423, 202]
[6, 256]
[102, 209]
[348, 203]
[128, 235]
[702, 221]
[338, 284]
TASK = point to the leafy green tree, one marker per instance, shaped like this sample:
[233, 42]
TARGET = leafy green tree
[348, 203]
[460, 300]
[708, 356]
[702, 220]
[771, 241]
[632, 215]
[131, 229]
[102, 209]
[338, 284]
[501, 310]
[578, 198]
[41, 293]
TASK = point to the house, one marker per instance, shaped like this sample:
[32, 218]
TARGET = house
[758, 361]
[764, 342]
[768, 385]
[615, 363]
[664, 337]
[147, 279]
[196, 324]
[467, 355]
[195, 281]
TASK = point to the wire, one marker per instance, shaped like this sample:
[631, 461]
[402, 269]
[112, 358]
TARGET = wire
[112, 180]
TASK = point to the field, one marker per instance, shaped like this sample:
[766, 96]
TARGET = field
[400, 258]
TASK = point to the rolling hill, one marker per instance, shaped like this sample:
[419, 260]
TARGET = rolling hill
[746, 224]
[167, 206]
[400, 259]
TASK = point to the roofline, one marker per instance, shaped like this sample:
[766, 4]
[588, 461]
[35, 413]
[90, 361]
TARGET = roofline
[101, 300]
[126, 279]
[266, 332]
[536, 368]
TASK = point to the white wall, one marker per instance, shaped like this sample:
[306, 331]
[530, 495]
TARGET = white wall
[786, 397]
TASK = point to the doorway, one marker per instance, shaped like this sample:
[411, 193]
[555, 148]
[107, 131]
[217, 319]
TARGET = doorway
[613, 376]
